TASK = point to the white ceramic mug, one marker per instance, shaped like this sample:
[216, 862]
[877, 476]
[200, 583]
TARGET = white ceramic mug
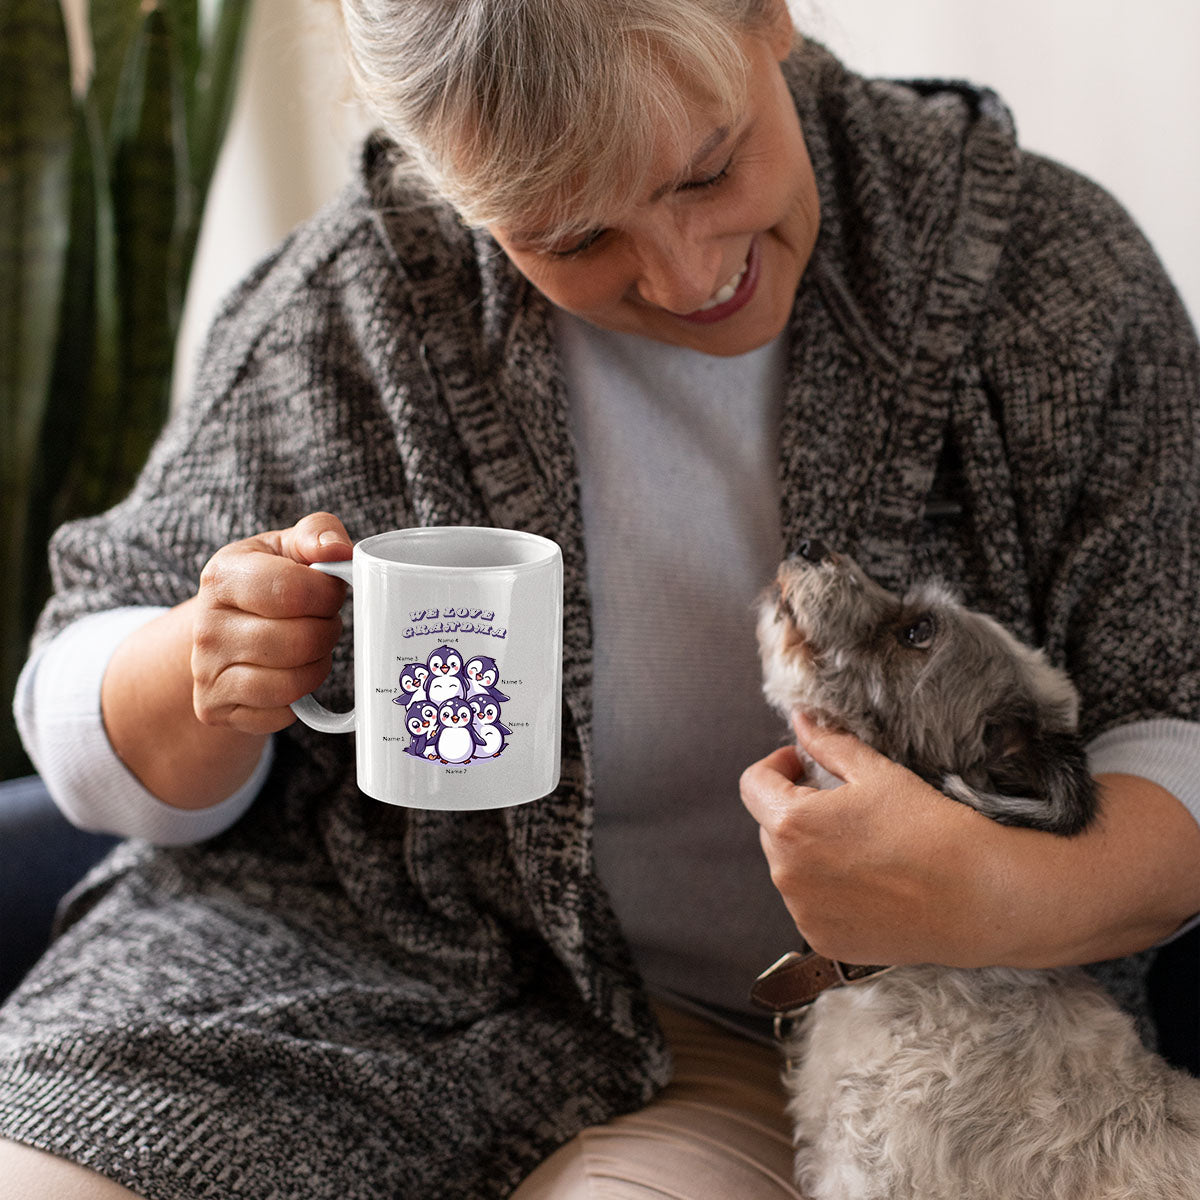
[457, 666]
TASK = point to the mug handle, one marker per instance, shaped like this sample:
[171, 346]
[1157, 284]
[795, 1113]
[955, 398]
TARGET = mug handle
[312, 712]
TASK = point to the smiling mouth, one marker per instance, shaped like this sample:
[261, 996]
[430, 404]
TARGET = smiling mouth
[725, 294]
[731, 296]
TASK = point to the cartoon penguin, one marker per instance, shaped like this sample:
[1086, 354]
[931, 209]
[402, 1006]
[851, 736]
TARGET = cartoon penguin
[488, 727]
[412, 685]
[421, 721]
[446, 681]
[482, 677]
[456, 736]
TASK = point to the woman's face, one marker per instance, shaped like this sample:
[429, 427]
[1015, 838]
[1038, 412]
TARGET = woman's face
[712, 257]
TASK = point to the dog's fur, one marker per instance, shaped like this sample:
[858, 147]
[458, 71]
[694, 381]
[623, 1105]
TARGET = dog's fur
[934, 1083]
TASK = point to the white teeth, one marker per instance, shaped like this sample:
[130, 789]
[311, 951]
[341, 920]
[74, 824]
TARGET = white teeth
[724, 294]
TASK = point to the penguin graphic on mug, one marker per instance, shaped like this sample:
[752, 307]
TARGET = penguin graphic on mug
[482, 677]
[421, 721]
[412, 685]
[453, 707]
[486, 719]
[456, 736]
[446, 680]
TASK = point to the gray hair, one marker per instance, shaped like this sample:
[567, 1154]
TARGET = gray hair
[553, 108]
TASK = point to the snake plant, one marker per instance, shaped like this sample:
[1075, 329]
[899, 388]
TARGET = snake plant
[101, 195]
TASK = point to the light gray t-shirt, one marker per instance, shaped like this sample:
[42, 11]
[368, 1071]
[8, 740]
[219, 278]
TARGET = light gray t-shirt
[678, 456]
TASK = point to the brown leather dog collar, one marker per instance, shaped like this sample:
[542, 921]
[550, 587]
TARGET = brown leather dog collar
[798, 978]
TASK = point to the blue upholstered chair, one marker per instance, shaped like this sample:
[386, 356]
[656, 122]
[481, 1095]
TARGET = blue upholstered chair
[41, 856]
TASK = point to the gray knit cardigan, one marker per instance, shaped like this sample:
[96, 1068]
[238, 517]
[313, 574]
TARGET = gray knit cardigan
[990, 378]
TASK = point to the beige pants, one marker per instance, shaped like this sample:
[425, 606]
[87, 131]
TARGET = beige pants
[718, 1131]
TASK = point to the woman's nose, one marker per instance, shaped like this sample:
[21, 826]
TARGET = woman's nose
[679, 274]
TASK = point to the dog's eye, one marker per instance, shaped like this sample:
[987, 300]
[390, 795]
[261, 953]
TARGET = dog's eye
[919, 635]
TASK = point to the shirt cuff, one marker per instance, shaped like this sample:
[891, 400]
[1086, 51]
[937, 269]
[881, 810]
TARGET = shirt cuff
[1165, 751]
[57, 710]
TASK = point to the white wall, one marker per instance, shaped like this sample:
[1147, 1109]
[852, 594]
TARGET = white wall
[291, 145]
[1107, 87]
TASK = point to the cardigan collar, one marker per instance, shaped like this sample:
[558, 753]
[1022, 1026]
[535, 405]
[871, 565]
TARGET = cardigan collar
[917, 185]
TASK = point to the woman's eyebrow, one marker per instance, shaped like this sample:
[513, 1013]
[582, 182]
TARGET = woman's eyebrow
[706, 148]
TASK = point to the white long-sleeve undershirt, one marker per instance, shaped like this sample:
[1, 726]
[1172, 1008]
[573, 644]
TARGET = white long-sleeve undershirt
[57, 709]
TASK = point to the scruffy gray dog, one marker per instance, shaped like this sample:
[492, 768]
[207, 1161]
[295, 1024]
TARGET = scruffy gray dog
[935, 1083]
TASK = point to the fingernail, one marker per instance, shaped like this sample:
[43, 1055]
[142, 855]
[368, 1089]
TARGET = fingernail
[330, 538]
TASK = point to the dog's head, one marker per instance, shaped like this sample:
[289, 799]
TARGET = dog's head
[945, 691]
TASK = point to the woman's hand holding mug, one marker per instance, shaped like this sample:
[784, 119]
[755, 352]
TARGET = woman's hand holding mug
[457, 655]
[264, 624]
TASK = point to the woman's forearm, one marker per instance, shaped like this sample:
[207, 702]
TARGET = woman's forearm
[1137, 873]
[886, 869]
[146, 702]
[190, 698]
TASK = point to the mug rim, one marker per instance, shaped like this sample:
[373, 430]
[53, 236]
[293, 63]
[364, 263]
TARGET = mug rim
[551, 551]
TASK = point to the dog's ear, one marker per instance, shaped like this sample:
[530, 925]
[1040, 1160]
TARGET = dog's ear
[1031, 777]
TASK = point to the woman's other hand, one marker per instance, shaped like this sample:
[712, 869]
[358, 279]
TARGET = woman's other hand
[877, 870]
[886, 869]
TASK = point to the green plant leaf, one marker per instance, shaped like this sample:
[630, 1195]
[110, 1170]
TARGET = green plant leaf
[215, 83]
[183, 16]
[151, 194]
[214, 92]
[36, 131]
[113, 25]
[84, 379]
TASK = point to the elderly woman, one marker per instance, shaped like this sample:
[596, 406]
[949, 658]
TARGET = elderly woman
[661, 281]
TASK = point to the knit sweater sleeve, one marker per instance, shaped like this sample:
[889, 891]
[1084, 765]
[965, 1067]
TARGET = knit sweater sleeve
[1093, 372]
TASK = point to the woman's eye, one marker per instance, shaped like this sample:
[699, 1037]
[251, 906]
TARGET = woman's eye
[585, 243]
[919, 635]
[695, 185]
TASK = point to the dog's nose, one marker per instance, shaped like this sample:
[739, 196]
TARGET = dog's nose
[813, 550]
